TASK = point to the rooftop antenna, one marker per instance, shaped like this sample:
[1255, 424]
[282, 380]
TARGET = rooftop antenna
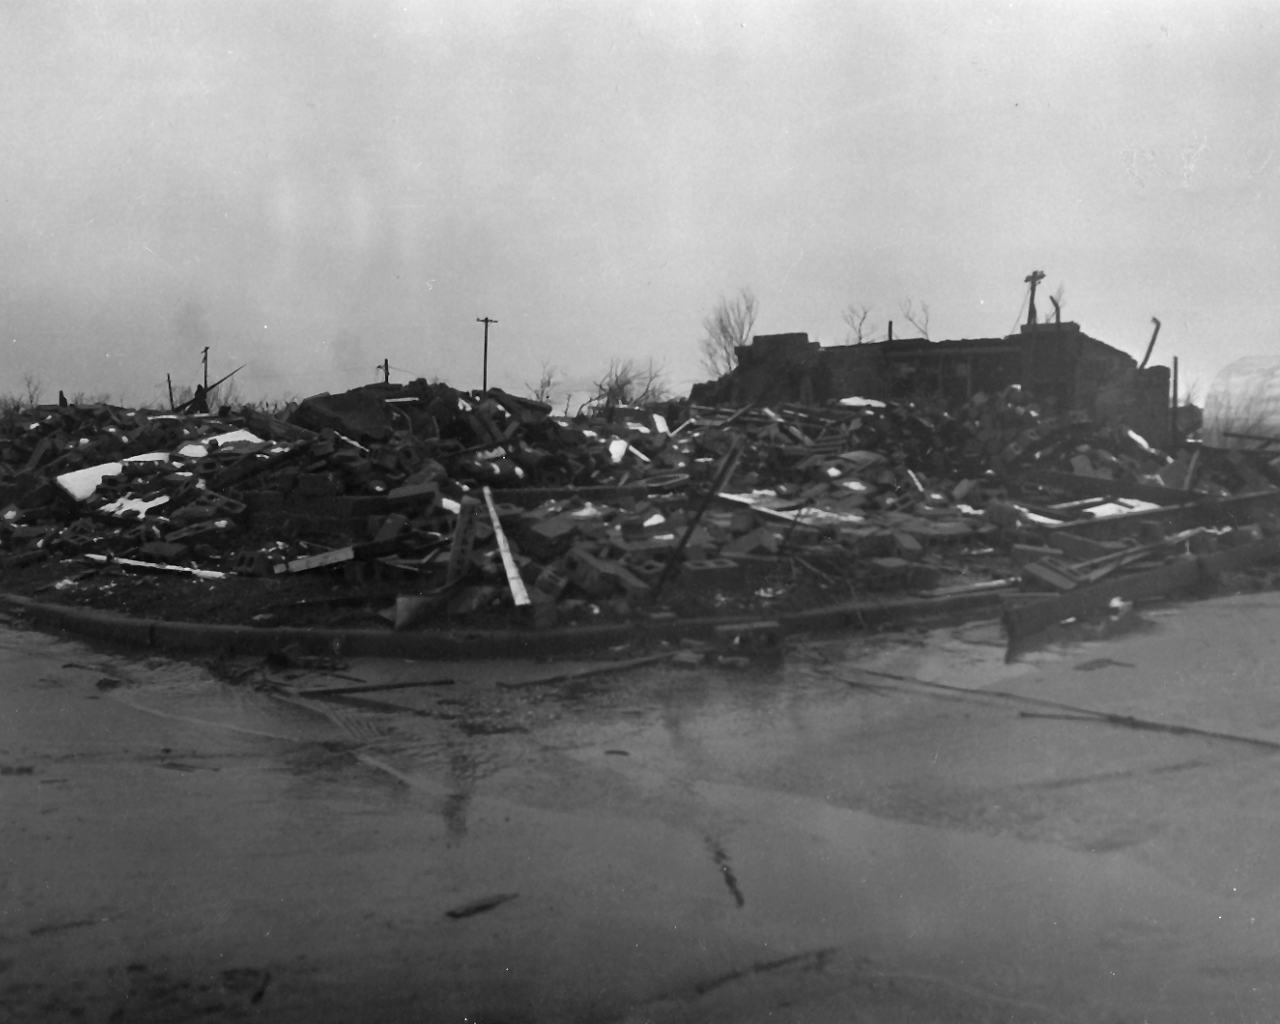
[1033, 279]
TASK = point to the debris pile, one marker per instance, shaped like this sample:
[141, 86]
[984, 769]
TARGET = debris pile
[430, 505]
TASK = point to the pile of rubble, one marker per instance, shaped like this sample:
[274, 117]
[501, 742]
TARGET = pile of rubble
[435, 505]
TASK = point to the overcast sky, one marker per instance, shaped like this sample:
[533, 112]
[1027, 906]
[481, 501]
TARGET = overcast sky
[311, 188]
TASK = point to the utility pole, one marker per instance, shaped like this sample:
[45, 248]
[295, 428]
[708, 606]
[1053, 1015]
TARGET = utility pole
[486, 321]
[169, 380]
[205, 358]
[386, 371]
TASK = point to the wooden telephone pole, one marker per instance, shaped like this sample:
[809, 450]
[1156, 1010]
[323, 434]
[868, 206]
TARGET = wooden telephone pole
[385, 367]
[486, 321]
[205, 359]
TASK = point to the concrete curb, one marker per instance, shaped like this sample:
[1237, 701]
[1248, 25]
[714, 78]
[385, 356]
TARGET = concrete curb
[210, 639]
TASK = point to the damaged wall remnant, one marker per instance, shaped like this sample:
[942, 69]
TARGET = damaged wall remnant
[1057, 364]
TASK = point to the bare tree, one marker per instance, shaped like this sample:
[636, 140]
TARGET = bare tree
[627, 383]
[33, 387]
[919, 319]
[91, 398]
[728, 326]
[856, 317]
[546, 384]
[226, 393]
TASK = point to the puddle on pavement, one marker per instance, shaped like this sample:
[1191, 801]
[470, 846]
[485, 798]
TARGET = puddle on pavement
[753, 764]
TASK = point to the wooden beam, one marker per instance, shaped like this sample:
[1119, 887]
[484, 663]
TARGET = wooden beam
[1235, 511]
[518, 592]
[1177, 575]
[462, 539]
[1097, 487]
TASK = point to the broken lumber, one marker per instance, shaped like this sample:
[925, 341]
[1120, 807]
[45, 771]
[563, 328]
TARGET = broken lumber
[334, 557]
[1179, 574]
[463, 536]
[518, 592]
[1097, 487]
[1234, 511]
[134, 563]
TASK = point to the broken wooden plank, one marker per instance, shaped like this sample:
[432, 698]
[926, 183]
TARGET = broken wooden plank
[334, 557]
[1082, 548]
[134, 563]
[1032, 618]
[1092, 486]
[1177, 575]
[973, 588]
[1234, 511]
[1053, 571]
[518, 592]
[463, 536]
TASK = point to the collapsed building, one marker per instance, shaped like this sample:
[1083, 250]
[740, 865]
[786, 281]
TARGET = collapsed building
[1015, 470]
[1058, 365]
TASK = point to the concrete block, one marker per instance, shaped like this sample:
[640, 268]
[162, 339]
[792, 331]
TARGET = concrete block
[711, 573]
[392, 526]
[552, 581]
[591, 574]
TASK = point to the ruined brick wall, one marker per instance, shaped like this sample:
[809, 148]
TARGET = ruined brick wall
[1062, 368]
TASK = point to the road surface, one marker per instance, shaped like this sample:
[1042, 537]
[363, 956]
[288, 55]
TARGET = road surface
[804, 842]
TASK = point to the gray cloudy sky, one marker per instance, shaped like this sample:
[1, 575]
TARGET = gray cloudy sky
[311, 187]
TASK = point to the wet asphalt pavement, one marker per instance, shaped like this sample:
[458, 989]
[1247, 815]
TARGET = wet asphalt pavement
[828, 839]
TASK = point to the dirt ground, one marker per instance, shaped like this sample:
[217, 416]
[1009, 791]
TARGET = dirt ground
[879, 828]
